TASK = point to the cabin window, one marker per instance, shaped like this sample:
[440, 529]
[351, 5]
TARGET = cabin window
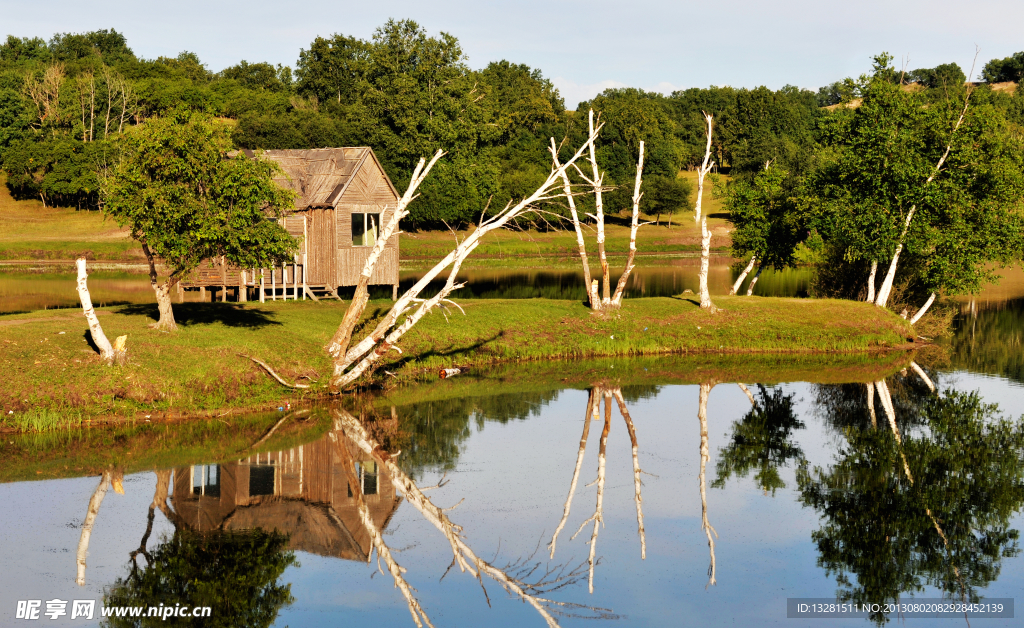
[261, 480]
[206, 480]
[365, 228]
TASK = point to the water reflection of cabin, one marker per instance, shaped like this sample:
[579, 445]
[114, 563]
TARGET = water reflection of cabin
[343, 198]
[303, 491]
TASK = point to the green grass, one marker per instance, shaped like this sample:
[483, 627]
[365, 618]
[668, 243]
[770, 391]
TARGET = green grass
[531, 329]
[41, 420]
[200, 369]
[141, 446]
[28, 230]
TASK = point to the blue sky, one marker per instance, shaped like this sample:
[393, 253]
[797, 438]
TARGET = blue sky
[583, 46]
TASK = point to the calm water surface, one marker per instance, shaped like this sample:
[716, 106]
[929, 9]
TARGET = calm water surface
[26, 291]
[822, 490]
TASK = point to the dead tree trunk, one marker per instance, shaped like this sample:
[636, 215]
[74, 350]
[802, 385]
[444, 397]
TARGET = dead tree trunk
[924, 376]
[871, 404]
[597, 182]
[702, 220]
[163, 294]
[598, 516]
[634, 226]
[98, 337]
[90, 519]
[603, 300]
[746, 391]
[463, 555]
[753, 282]
[419, 616]
[343, 336]
[592, 297]
[871, 281]
[924, 308]
[743, 275]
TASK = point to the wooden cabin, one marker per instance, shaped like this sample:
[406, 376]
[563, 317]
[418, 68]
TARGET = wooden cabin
[343, 199]
[302, 491]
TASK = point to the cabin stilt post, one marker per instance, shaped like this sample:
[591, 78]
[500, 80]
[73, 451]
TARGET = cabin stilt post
[223, 280]
[263, 287]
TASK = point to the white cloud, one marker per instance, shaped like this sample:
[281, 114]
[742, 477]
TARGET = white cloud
[666, 88]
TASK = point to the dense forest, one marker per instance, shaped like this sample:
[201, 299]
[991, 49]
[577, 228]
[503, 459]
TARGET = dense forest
[405, 93]
[834, 172]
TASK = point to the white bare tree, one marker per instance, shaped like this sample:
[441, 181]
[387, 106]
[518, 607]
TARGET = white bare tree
[601, 297]
[108, 353]
[705, 235]
[352, 361]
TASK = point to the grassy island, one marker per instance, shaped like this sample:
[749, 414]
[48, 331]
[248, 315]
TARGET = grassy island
[54, 378]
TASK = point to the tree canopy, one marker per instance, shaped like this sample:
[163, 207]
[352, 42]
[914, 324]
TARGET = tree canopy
[185, 201]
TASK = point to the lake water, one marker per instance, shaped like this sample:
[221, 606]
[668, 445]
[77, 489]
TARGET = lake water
[27, 291]
[837, 478]
[805, 490]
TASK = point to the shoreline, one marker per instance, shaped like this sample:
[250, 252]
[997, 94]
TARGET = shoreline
[56, 379]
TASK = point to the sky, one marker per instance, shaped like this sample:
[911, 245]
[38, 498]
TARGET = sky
[583, 46]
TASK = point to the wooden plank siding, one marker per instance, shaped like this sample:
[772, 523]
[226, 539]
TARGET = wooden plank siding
[331, 184]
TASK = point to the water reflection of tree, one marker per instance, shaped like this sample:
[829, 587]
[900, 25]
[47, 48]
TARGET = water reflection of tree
[761, 440]
[990, 340]
[853, 405]
[529, 581]
[235, 573]
[929, 509]
[436, 430]
[597, 394]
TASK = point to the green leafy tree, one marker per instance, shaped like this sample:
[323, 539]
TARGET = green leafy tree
[762, 125]
[886, 532]
[260, 76]
[236, 574]
[333, 69]
[23, 49]
[185, 202]
[1007, 69]
[768, 218]
[666, 195]
[878, 189]
[945, 76]
[109, 45]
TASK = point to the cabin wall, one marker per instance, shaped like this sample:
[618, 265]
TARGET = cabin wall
[368, 192]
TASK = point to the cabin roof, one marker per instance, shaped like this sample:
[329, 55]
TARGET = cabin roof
[319, 176]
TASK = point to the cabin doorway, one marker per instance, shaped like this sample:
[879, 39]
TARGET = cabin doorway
[322, 248]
